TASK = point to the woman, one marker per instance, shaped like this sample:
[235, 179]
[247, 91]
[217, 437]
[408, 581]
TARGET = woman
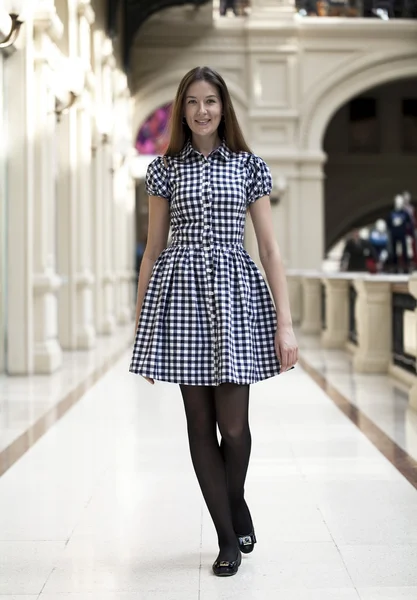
[205, 318]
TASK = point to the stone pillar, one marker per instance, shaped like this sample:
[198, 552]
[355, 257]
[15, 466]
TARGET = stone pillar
[295, 294]
[100, 183]
[336, 332]
[21, 89]
[412, 288]
[67, 234]
[67, 202]
[47, 351]
[131, 233]
[98, 238]
[109, 279]
[373, 318]
[123, 192]
[85, 278]
[3, 223]
[124, 295]
[311, 320]
[307, 218]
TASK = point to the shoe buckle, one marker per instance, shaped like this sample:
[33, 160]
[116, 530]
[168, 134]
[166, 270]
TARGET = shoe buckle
[245, 540]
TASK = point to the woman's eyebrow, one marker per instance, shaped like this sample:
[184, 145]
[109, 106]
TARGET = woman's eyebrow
[210, 96]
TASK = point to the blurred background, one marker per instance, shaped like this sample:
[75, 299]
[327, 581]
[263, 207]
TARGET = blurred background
[326, 93]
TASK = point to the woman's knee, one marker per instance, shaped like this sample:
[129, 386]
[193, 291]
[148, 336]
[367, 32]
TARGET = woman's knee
[234, 433]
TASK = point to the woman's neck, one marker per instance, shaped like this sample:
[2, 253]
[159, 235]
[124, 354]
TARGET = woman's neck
[206, 145]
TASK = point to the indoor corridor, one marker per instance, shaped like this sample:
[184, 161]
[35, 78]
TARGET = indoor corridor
[105, 504]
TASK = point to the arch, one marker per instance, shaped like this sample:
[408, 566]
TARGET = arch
[161, 90]
[347, 83]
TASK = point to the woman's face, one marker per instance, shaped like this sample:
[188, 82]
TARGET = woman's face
[203, 108]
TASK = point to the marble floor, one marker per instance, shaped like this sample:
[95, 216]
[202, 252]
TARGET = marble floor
[24, 401]
[381, 398]
[105, 505]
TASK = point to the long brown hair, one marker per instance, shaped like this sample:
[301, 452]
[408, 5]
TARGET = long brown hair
[229, 128]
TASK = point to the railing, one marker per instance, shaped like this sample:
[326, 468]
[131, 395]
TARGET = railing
[353, 331]
[403, 306]
[373, 317]
[323, 306]
[382, 9]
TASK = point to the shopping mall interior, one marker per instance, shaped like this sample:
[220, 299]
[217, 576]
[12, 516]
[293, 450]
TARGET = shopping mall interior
[98, 497]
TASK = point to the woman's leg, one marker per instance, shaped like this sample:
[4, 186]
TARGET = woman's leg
[232, 412]
[208, 464]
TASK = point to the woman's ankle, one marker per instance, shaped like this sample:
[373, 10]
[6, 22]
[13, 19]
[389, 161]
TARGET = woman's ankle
[242, 519]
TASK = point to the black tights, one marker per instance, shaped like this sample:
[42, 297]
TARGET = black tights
[221, 470]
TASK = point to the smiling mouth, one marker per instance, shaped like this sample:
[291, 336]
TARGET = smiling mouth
[203, 122]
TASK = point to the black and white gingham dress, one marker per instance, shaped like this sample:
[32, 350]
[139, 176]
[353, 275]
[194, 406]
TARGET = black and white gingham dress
[207, 316]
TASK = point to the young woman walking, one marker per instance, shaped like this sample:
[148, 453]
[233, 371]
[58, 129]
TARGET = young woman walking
[205, 318]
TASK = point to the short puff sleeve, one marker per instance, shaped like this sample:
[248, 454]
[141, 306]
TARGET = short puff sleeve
[157, 182]
[259, 179]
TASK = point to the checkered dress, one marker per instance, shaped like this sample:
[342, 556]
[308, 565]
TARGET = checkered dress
[207, 316]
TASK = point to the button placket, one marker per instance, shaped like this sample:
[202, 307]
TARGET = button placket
[207, 236]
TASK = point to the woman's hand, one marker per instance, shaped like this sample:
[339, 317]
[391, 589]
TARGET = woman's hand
[148, 379]
[286, 347]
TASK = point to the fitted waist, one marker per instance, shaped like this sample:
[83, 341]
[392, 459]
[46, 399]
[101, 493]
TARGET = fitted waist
[206, 245]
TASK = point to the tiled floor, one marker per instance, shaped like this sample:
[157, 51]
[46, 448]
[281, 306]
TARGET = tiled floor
[106, 506]
[23, 400]
[379, 397]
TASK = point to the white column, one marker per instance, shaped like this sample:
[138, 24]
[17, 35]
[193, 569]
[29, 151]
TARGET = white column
[84, 277]
[67, 234]
[108, 255]
[98, 237]
[124, 306]
[3, 216]
[336, 332]
[311, 319]
[309, 221]
[20, 86]
[46, 282]
[98, 192]
[131, 248]
[109, 279]
[373, 318]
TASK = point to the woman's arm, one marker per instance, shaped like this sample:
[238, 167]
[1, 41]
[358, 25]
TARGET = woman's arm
[271, 260]
[158, 228]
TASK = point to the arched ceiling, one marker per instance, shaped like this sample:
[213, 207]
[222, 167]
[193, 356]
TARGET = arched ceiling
[125, 17]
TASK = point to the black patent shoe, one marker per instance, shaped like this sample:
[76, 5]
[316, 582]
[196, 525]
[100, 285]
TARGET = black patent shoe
[246, 542]
[225, 568]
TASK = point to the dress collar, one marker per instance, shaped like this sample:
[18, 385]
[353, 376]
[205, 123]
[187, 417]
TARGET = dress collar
[188, 149]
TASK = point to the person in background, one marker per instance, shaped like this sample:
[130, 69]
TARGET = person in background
[408, 206]
[358, 254]
[225, 5]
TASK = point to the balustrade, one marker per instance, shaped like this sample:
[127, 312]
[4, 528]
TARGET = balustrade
[372, 316]
[382, 9]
